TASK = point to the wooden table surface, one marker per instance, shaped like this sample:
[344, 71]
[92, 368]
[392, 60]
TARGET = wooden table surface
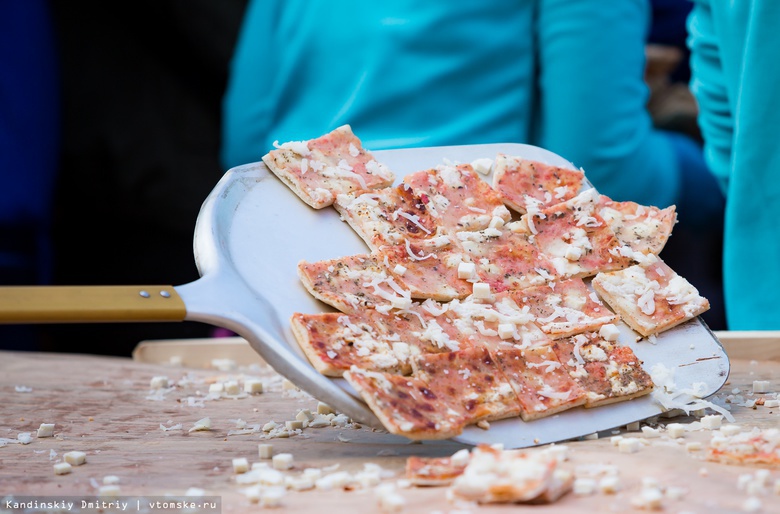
[102, 406]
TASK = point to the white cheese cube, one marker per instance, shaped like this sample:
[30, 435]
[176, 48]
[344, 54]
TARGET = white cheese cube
[629, 445]
[651, 432]
[391, 502]
[304, 416]
[62, 468]
[649, 499]
[675, 430]
[324, 408]
[506, 330]
[615, 440]
[159, 382]
[46, 430]
[253, 386]
[609, 332]
[399, 270]
[467, 270]
[609, 484]
[481, 290]
[75, 458]
[772, 403]
[240, 465]
[216, 387]
[24, 437]
[110, 480]
[293, 425]
[272, 496]
[633, 427]
[288, 386]
[483, 165]
[760, 386]
[584, 486]
[573, 253]
[232, 387]
[693, 446]
[110, 490]
[712, 422]
[265, 451]
[282, 461]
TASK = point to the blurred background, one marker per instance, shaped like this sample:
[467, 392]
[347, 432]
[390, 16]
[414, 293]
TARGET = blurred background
[111, 137]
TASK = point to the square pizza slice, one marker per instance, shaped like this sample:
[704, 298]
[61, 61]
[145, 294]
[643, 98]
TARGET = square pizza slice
[334, 342]
[496, 323]
[575, 237]
[427, 268]
[407, 406]
[353, 283]
[320, 169]
[388, 216]
[650, 297]
[540, 381]
[458, 197]
[504, 259]
[607, 371]
[565, 308]
[644, 229]
[471, 377]
[522, 182]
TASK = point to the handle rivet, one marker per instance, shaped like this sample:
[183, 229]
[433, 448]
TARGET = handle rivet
[144, 294]
[165, 294]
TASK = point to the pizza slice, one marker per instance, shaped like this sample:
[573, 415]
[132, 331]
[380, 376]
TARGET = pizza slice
[575, 237]
[470, 377]
[504, 259]
[319, 169]
[565, 308]
[540, 381]
[353, 283]
[502, 476]
[388, 216]
[644, 229]
[495, 323]
[427, 268]
[458, 197]
[607, 371]
[406, 406]
[334, 342]
[650, 297]
[522, 182]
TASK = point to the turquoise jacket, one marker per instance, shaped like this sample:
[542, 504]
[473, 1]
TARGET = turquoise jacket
[561, 74]
[735, 64]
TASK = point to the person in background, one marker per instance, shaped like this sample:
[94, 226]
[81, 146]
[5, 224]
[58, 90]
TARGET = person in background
[736, 80]
[563, 75]
[29, 134]
[142, 85]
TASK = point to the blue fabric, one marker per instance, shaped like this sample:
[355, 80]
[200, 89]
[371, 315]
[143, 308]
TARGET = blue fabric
[29, 127]
[558, 74]
[736, 80]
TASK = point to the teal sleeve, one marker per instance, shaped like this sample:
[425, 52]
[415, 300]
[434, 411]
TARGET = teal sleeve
[736, 81]
[593, 98]
[248, 104]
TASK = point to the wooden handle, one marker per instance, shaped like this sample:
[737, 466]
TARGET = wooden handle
[90, 304]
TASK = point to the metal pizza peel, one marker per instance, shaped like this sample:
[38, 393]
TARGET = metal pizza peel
[249, 236]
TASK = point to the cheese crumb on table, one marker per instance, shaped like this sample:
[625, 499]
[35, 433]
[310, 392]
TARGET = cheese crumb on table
[761, 386]
[584, 486]
[675, 430]
[282, 461]
[631, 445]
[160, 382]
[609, 484]
[253, 386]
[203, 424]
[324, 408]
[108, 490]
[712, 422]
[62, 468]
[232, 387]
[75, 458]
[693, 446]
[110, 480]
[240, 465]
[46, 430]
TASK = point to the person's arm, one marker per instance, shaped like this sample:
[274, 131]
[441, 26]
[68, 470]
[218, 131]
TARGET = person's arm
[593, 96]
